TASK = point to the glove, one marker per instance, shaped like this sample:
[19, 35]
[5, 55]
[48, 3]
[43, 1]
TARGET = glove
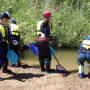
[15, 42]
[42, 36]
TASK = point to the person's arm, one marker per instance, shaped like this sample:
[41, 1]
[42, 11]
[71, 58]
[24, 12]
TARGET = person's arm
[44, 25]
[9, 32]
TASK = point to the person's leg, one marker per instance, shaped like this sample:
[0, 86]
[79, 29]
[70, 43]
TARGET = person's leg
[1, 59]
[5, 63]
[81, 60]
[16, 50]
[88, 61]
[47, 55]
[1, 63]
[41, 57]
[10, 47]
[48, 69]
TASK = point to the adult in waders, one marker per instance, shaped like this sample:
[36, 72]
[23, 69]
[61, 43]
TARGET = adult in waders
[4, 18]
[14, 35]
[43, 32]
[84, 55]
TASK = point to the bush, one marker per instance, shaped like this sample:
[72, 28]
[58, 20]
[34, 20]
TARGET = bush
[70, 19]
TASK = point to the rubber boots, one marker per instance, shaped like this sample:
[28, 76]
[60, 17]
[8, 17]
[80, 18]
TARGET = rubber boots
[48, 70]
[19, 62]
[42, 65]
[81, 71]
[5, 70]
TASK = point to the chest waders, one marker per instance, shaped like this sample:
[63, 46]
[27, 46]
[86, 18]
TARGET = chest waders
[84, 55]
[14, 34]
[44, 50]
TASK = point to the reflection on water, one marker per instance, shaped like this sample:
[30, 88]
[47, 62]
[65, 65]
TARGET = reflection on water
[66, 57]
[27, 55]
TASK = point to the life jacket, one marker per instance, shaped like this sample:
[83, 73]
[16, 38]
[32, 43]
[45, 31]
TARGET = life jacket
[3, 33]
[86, 44]
[14, 30]
[46, 30]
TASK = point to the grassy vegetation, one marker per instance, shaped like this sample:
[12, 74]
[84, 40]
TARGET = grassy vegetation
[70, 21]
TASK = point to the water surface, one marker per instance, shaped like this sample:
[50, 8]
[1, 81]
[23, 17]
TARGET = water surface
[67, 57]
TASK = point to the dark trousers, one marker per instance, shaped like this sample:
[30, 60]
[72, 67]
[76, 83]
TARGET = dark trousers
[15, 48]
[5, 47]
[44, 50]
[3, 54]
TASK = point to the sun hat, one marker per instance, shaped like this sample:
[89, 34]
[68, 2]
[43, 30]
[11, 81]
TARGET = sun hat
[46, 14]
[5, 15]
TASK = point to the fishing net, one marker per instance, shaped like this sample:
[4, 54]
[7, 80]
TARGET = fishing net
[33, 49]
[12, 57]
[61, 69]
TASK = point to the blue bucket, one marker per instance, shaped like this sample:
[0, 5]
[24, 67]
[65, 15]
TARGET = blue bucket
[12, 57]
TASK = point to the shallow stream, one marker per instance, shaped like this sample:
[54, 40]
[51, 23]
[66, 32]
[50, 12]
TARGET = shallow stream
[67, 58]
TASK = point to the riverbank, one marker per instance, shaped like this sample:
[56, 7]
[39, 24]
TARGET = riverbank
[30, 78]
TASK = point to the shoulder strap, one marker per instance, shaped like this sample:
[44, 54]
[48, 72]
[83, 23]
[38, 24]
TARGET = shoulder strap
[5, 32]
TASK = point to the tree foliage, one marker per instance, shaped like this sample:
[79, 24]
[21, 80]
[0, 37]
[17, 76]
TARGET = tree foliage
[70, 21]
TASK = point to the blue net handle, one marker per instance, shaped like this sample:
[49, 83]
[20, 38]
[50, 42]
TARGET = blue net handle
[52, 51]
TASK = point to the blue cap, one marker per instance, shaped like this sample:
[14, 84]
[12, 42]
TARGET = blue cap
[12, 21]
[5, 15]
[88, 37]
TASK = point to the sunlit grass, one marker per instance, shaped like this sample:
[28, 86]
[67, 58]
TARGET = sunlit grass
[70, 21]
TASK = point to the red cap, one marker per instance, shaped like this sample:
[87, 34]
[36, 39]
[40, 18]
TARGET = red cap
[46, 14]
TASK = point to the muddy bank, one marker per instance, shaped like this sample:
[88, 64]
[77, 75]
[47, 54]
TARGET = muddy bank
[30, 78]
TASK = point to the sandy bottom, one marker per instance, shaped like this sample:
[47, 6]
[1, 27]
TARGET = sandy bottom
[30, 78]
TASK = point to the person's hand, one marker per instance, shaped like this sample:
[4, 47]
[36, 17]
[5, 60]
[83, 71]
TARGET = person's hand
[42, 36]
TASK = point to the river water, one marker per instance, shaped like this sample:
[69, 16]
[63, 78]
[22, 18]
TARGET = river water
[67, 57]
